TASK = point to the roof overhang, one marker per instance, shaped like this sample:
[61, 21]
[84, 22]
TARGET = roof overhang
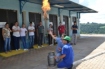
[67, 5]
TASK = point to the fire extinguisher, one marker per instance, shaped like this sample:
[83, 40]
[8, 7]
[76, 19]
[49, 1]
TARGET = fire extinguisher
[51, 59]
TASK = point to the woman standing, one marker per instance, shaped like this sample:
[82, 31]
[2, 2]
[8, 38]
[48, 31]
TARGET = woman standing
[16, 35]
[6, 36]
[49, 36]
[23, 36]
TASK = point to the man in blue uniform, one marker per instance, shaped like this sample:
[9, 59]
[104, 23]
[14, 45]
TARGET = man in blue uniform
[67, 55]
[59, 44]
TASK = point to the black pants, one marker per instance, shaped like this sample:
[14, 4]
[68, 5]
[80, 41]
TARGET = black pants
[40, 39]
[49, 39]
[71, 67]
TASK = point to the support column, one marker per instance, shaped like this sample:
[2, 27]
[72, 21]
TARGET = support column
[78, 23]
[70, 24]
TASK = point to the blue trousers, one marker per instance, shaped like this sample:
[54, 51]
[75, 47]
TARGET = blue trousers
[64, 65]
[31, 38]
[23, 39]
[7, 46]
[16, 42]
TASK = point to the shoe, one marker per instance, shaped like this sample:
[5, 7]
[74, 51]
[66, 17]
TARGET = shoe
[71, 43]
[42, 46]
[38, 46]
[18, 49]
[25, 49]
[74, 43]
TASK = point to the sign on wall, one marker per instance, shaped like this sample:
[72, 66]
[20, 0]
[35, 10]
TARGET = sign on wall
[2, 24]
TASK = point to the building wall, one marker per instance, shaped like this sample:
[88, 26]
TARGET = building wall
[31, 7]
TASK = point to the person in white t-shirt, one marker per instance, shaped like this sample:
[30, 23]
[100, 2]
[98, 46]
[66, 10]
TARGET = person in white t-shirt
[31, 30]
[16, 35]
[23, 32]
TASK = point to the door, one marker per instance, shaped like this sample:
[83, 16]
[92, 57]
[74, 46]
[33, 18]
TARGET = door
[65, 19]
[53, 19]
[9, 16]
[36, 18]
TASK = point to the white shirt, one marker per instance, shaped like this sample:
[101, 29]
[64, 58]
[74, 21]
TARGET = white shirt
[31, 28]
[16, 34]
[23, 32]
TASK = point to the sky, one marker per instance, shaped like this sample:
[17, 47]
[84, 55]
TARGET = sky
[97, 5]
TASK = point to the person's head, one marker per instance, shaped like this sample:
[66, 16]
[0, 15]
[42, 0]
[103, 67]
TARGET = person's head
[66, 40]
[40, 23]
[16, 23]
[30, 23]
[60, 23]
[23, 25]
[75, 23]
[50, 25]
[6, 25]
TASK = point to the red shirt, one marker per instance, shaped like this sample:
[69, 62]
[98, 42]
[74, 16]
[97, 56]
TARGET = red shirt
[61, 29]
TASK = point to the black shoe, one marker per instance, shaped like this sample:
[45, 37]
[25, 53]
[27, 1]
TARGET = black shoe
[74, 43]
[71, 43]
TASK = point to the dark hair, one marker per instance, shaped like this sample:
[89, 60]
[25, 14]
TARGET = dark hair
[30, 22]
[6, 24]
[74, 21]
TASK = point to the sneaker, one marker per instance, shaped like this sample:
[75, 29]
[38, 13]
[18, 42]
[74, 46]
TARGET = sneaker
[18, 49]
[38, 46]
[42, 46]
[25, 49]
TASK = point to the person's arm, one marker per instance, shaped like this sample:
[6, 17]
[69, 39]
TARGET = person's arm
[13, 29]
[52, 35]
[10, 30]
[62, 56]
[3, 33]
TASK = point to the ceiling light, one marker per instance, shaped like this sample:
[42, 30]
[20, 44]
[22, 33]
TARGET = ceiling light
[59, 6]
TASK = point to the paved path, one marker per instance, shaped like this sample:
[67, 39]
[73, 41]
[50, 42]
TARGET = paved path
[37, 59]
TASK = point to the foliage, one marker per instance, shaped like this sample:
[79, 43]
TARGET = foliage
[92, 28]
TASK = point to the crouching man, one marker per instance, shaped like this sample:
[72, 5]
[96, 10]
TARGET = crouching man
[67, 55]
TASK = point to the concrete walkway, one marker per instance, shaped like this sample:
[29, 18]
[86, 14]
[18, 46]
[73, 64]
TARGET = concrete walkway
[95, 60]
[37, 59]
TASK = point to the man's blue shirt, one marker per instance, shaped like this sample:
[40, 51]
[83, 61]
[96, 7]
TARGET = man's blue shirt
[59, 44]
[68, 51]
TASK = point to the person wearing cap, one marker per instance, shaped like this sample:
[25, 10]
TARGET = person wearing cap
[67, 55]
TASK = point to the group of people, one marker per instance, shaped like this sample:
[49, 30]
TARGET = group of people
[20, 34]
[74, 28]
[64, 51]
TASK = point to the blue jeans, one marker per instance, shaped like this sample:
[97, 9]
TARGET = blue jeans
[31, 38]
[16, 42]
[64, 65]
[7, 46]
[58, 55]
[23, 39]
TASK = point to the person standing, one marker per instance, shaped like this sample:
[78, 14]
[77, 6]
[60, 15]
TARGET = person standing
[31, 30]
[16, 35]
[67, 54]
[23, 32]
[74, 33]
[49, 36]
[40, 34]
[6, 36]
[61, 29]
